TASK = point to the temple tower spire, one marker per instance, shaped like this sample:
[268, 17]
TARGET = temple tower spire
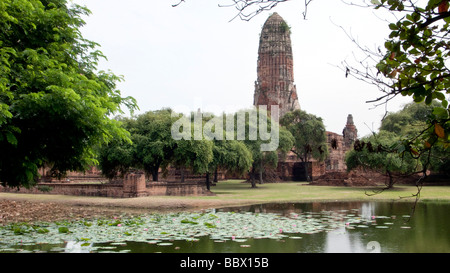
[275, 82]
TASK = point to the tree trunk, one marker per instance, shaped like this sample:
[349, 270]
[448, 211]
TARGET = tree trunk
[261, 172]
[182, 175]
[155, 174]
[308, 178]
[207, 181]
[306, 160]
[252, 177]
[215, 175]
[391, 180]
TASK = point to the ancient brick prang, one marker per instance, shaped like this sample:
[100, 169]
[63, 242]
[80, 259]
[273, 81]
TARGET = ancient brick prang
[275, 83]
[350, 133]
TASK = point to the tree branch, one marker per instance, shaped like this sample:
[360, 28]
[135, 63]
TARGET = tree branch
[441, 16]
[175, 5]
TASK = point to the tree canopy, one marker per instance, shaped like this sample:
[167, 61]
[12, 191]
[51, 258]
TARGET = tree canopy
[54, 104]
[385, 151]
[154, 146]
[369, 153]
[409, 122]
[261, 135]
[310, 140]
[162, 138]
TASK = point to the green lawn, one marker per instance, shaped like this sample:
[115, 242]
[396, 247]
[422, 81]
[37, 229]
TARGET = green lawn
[301, 191]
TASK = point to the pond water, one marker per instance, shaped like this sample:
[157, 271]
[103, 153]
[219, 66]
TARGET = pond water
[326, 227]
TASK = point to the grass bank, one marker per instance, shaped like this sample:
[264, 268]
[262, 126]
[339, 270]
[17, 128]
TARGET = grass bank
[301, 191]
[234, 193]
[16, 207]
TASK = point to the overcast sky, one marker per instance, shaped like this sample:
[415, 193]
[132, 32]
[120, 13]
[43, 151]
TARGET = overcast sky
[192, 56]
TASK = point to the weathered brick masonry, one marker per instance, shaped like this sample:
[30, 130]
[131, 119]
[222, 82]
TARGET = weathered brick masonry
[275, 83]
[275, 86]
[133, 185]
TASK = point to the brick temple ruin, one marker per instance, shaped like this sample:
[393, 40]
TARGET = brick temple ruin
[275, 70]
[275, 86]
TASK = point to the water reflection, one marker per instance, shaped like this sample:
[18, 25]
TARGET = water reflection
[77, 247]
[388, 227]
[338, 241]
[367, 210]
[380, 227]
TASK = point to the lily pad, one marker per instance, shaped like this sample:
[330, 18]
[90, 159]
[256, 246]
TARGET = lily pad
[165, 244]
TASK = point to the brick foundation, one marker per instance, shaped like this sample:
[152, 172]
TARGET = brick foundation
[133, 185]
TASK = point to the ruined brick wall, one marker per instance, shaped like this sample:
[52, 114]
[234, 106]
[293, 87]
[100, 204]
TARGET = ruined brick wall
[336, 148]
[76, 189]
[338, 145]
[275, 83]
[133, 185]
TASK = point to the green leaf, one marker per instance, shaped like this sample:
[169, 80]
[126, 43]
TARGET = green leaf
[440, 112]
[393, 26]
[418, 98]
[429, 99]
[42, 230]
[63, 230]
[439, 95]
[11, 138]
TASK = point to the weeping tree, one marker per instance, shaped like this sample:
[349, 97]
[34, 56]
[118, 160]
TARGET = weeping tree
[191, 149]
[264, 138]
[195, 155]
[229, 155]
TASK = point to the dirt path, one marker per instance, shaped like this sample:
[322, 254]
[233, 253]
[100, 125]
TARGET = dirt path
[32, 208]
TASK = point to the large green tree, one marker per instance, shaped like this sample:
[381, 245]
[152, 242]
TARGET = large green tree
[229, 155]
[154, 145]
[310, 140]
[116, 158]
[195, 155]
[54, 104]
[264, 138]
